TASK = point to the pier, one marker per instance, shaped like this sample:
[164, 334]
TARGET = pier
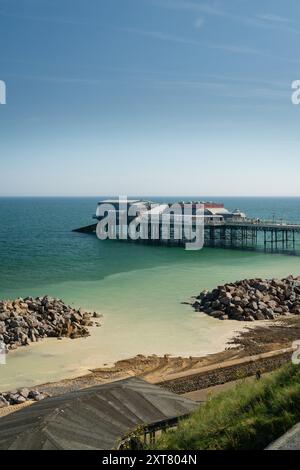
[248, 234]
[169, 224]
[269, 236]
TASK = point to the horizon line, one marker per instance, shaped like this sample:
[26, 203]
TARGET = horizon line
[32, 196]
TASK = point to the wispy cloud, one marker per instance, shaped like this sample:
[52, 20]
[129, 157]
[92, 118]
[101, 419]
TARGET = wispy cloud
[284, 26]
[47, 19]
[230, 48]
[59, 79]
[284, 84]
[228, 87]
[274, 18]
[222, 85]
[162, 36]
[199, 23]
[266, 21]
[190, 5]
[239, 49]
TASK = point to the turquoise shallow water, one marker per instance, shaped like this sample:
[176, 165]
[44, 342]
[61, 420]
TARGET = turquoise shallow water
[139, 289]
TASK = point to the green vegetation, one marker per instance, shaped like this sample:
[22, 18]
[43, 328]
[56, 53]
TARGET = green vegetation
[250, 416]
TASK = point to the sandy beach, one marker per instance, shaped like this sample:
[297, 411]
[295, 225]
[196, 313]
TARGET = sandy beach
[263, 347]
[253, 343]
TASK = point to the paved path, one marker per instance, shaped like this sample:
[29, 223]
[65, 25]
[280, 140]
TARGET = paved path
[289, 441]
[206, 393]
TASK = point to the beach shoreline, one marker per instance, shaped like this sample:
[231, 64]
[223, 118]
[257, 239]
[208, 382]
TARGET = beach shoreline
[252, 344]
[255, 343]
[116, 351]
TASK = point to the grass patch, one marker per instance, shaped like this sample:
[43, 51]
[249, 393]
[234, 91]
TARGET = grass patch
[249, 416]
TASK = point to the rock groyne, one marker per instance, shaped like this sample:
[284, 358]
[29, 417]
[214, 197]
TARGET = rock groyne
[251, 299]
[25, 321]
[22, 395]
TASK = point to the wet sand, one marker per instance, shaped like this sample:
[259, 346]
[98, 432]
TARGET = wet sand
[263, 339]
[263, 347]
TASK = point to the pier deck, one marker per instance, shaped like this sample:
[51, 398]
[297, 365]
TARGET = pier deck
[271, 236]
[248, 234]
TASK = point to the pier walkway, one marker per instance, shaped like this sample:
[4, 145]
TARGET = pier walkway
[270, 236]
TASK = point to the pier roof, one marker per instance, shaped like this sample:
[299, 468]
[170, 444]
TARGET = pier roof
[217, 210]
[121, 201]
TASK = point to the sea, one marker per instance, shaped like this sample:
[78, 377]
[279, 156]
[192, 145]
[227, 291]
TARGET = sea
[139, 289]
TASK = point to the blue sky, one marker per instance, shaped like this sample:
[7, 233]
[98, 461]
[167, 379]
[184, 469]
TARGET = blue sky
[150, 97]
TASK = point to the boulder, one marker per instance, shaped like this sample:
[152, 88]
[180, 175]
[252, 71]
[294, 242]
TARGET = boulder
[278, 310]
[97, 315]
[4, 315]
[17, 399]
[216, 304]
[36, 395]
[217, 313]
[225, 300]
[3, 402]
[259, 315]
[253, 306]
[24, 392]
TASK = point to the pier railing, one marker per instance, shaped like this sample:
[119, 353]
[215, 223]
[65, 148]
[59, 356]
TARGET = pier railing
[262, 222]
[254, 234]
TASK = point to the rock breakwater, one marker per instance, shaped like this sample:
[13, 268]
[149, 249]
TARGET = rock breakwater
[22, 395]
[251, 299]
[25, 321]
